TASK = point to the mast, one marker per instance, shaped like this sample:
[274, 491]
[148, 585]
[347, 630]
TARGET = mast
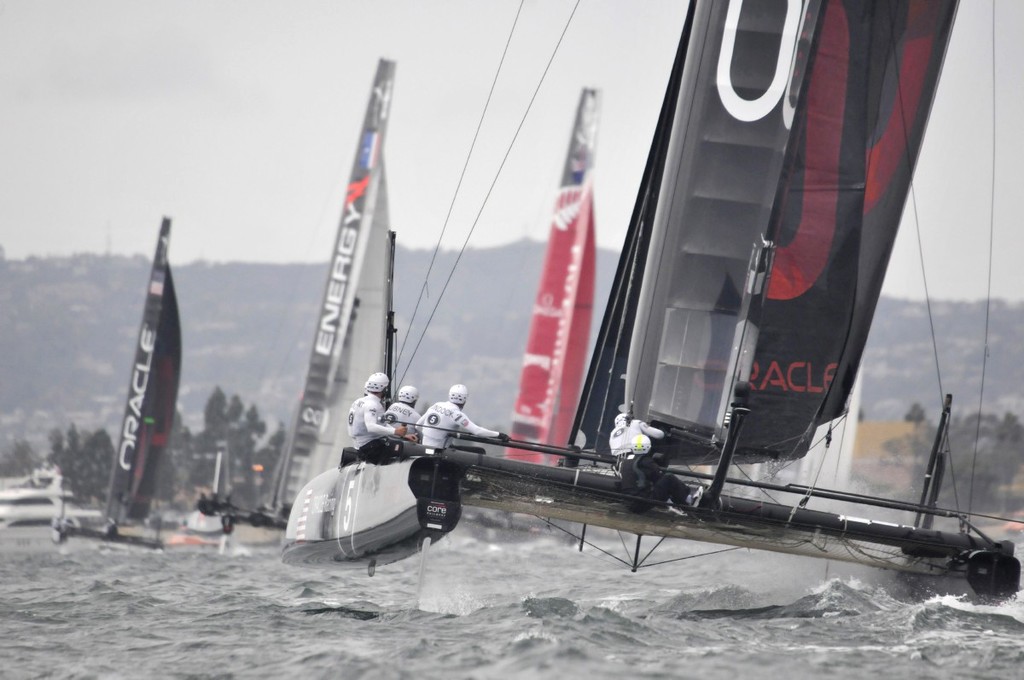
[389, 295]
[560, 329]
[152, 395]
[354, 290]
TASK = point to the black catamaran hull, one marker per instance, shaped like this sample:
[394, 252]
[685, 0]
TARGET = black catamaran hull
[367, 513]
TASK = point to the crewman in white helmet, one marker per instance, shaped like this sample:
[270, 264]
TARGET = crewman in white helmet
[626, 429]
[404, 410]
[364, 417]
[445, 418]
[643, 477]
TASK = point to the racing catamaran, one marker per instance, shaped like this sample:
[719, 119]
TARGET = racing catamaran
[752, 266]
[149, 411]
[358, 285]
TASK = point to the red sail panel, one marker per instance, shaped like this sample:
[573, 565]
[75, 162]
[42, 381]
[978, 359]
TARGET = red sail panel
[579, 332]
[556, 347]
[548, 362]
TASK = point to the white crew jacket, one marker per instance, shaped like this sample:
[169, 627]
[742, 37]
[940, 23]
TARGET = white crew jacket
[637, 426]
[402, 414]
[364, 421]
[434, 425]
[621, 437]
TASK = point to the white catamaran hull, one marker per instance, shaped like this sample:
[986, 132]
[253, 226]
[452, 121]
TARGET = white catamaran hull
[354, 514]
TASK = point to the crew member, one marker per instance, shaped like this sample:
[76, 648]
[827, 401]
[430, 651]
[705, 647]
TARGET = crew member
[643, 477]
[626, 430]
[364, 426]
[404, 410]
[445, 418]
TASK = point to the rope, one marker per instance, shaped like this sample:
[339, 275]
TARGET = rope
[490, 189]
[458, 186]
[988, 292]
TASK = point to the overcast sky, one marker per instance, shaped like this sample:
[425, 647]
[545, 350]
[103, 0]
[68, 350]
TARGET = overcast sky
[239, 119]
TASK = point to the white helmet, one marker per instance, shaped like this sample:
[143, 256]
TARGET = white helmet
[621, 420]
[458, 394]
[640, 444]
[378, 382]
[408, 395]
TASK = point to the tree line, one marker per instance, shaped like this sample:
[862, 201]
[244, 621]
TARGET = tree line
[188, 466]
[985, 455]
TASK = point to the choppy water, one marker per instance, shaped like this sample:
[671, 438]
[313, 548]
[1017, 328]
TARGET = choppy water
[483, 610]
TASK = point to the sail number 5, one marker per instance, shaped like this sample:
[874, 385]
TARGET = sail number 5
[347, 506]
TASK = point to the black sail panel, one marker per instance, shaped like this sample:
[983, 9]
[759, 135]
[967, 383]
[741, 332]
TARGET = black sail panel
[725, 155]
[604, 388]
[152, 394]
[857, 136]
[163, 395]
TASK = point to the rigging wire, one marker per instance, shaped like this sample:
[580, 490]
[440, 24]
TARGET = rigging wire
[490, 189]
[988, 292]
[917, 228]
[267, 372]
[458, 186]
[912, 193]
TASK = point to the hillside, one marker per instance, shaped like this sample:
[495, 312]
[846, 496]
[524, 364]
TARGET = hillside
[68, 325]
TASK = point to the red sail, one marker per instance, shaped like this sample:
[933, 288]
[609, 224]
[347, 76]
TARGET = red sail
[560, 330]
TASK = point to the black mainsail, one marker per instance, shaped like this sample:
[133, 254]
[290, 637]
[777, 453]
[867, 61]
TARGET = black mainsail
[769, 223]
[356, 285]
[152, 395]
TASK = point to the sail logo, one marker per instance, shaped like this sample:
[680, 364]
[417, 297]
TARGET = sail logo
[546, 307]
[156, 284]
[382, 101]
[800, 262]
[314, 417]
[750, 110]
[369, 150]
[567, 207]
[139, 383]
[584, 138]
[341, 271]
[796, 376]
[542, 361]
[337, 284]
[586, 134]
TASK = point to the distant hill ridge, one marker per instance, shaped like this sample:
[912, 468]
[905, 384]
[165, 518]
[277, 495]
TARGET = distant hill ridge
[68, 325]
